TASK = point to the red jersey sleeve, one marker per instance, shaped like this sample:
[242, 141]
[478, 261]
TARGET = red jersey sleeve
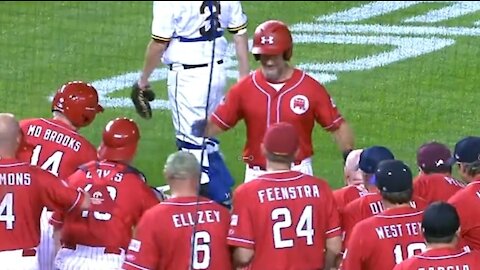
[56, 220]
[331, 214]
[229, 111]
[354, 254]
[143, 250]
[464, 208]
[241, 231]
[56, 194]
[350, 217]
[326, 112]
[420, 189]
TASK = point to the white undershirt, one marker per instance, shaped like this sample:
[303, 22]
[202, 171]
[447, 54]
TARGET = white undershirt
[276, 86]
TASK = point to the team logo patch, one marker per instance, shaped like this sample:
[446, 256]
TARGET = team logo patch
[299, 104]
[97, 198]
[234, 220]
[135, 245]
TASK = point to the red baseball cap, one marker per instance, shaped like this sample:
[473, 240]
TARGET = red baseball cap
[281, 139]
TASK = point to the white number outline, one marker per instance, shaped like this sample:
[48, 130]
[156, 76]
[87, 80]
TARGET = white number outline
[304, 226]
[102, 216]
[52, 161]
[204, 247]
[411, 248]
[6, 205]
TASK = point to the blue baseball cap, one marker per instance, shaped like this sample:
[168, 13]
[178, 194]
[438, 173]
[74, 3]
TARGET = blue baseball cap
[467, 150]
[372, 156]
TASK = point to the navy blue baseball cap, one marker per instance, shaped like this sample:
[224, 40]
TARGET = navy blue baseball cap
[440, 219]
[467, 150]
[371, 157]
[393, 176]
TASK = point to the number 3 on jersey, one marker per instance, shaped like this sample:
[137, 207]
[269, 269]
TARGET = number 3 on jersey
[304, 226]
[52, 164]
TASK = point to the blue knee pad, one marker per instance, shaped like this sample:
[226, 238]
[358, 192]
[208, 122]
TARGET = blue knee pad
[220, 179]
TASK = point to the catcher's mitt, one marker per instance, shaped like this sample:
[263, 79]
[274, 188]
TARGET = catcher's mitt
[141, 99]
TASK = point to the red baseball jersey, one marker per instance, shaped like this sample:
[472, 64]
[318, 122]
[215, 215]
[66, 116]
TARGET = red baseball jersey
[442, 259]
[286, 217]
[163, 237]
[301, 101]
[368, 206]
[24, 191]
[119, 198]
[466, 202]
[436, 187]
[384, 240]
[57, 148]
[347, 194]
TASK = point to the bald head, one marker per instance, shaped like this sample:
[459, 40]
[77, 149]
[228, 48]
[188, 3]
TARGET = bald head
[182, 165]
[9, 131]
[353, 175]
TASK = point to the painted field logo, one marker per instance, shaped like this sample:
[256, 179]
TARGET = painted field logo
[408, 41]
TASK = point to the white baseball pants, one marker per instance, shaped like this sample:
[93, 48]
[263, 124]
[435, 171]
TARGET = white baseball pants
[304, 167]
[17, 260]
[46, 249]
[187, 95]
[88, 258]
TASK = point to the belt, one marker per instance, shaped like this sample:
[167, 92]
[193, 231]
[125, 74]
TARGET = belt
[29, 252]
[186, 66]
[107, 250]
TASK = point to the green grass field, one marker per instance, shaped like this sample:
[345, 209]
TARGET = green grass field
[426, 90]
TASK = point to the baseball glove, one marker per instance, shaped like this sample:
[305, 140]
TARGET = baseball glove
[141, 99]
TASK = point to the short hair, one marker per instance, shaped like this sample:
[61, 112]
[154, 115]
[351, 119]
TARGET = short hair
[441, 169]
[182, 165]
[439, 240]
[287, 159]
[473, 168]
[398, 197]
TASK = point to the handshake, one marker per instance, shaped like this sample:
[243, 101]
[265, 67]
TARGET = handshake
[198, 128]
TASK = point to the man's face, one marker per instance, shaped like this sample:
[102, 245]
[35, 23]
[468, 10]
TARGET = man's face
[273, 67]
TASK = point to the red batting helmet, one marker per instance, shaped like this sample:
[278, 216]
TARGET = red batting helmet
[119, 141]
[78, 101]
[272, 38]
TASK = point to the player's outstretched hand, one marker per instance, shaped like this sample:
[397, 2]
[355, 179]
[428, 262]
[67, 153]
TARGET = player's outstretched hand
[198, 127]
[141, 99]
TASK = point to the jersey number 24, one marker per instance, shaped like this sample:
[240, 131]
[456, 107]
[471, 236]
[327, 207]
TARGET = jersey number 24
[283, 220]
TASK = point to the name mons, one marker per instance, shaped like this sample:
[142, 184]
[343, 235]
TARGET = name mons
[15, 179]
[288, 193]
[188, 219]
[54, 136]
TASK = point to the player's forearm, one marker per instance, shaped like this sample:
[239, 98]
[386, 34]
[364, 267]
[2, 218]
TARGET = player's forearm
[333, 248]
[212, 130]
[152, 58]
[57, 235]
[344, 137]
[241, 47]
[242, 256]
